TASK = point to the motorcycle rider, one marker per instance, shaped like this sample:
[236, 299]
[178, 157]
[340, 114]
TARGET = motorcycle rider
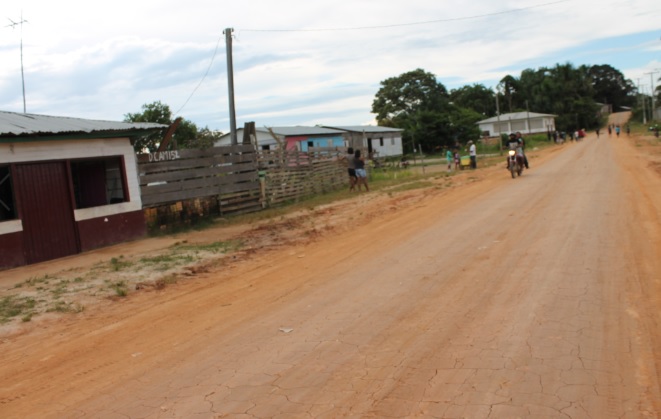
[514, 143]
[523, 148]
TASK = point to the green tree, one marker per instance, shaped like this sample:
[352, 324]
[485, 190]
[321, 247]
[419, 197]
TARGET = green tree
[401, 97]
[564, 91]
[206, 138]
[185, 136]
[533, 87]
[611, 87]
[417, 102]
[510, 86]
[477, 98]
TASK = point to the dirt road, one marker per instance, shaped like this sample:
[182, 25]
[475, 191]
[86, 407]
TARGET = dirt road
[535, 298]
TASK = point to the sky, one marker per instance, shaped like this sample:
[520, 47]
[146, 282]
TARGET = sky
[298, 62]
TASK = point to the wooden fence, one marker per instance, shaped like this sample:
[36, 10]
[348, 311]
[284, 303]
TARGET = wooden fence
[182, 185]
[227, 173]
[292, 175]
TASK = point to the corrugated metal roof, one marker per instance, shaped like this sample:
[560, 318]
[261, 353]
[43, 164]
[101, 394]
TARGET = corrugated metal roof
[14, 124]
[301, 130]
[366, 128]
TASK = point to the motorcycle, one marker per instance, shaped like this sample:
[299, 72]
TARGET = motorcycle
[515, 163]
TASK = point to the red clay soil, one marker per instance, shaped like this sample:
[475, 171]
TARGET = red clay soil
[534, 297]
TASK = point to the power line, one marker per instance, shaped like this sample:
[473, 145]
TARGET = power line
[426, 22]
[362, 28]
[203, 77]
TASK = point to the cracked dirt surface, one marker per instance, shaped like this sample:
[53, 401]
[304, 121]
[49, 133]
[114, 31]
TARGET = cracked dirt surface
[534, 298]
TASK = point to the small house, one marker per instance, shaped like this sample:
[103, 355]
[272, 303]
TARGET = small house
[378, 141]
[300, 138]
[523, 122]
[67, 185]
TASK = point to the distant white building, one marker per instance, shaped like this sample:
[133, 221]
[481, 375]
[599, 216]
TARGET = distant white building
[380, 141]
[524, 122]
[299, 138]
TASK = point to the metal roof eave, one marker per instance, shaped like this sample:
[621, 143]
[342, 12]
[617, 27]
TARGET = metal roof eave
[24, 138]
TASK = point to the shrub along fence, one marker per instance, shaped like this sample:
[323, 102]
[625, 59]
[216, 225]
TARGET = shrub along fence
[181, 186]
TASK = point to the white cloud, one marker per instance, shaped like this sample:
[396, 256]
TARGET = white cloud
[103, 60]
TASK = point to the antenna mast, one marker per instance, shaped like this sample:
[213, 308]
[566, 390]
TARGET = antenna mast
[13, 26]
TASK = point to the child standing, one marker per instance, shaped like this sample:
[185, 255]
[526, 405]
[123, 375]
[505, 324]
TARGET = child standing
[449, 157]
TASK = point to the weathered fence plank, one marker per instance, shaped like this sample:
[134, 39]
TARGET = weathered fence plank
[292, 175]
[171, 177]
[222, 180]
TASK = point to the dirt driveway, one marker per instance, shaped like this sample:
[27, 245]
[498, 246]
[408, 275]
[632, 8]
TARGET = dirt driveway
[477, 297]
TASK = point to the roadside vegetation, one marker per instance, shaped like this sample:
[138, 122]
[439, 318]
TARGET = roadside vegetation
[69, 291]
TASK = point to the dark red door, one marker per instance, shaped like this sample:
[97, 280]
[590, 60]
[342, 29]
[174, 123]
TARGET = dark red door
[44, 200]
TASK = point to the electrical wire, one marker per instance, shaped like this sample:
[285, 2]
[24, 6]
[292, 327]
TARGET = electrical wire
[206, 73]
[426, 22]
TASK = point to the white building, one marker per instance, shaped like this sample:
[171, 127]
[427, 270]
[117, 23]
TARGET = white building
[524, 122]
[380, 141]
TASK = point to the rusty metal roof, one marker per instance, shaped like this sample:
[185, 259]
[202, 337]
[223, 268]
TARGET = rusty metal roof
[27, 125]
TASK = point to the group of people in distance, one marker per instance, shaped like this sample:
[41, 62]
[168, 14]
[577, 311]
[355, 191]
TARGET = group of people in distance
[358, 175]
[356, 169]
[453, 156]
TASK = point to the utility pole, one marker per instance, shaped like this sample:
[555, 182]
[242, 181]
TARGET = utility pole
[230, 84]
[13, 25]
[641, 96]
[652, 73]
[644, 108]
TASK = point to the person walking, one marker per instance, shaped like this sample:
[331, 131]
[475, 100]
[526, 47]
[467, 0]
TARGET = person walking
[361, 174]
[351, 169]
[472, 152]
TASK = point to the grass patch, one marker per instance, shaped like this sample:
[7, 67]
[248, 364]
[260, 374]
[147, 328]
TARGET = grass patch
[121, 288]
[31, 282]
[117, 264]
[168, 261]
[65, 307]
[60, 289]
[215, 247]
[12, 306]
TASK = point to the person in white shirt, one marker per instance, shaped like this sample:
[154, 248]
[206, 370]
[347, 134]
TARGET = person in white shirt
[472, 152]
